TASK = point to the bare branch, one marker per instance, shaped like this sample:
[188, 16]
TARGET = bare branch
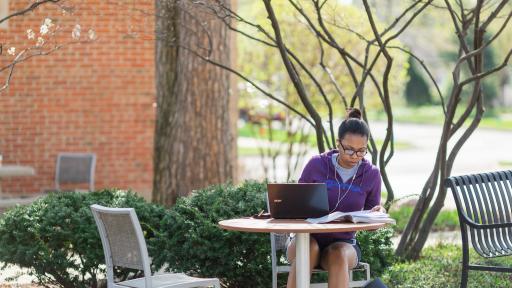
[329, 74]
[297, 82]
[488, 72]
[245, 78]
[22, 56]
[30, 8]
[460, 33]
[494, 14]
[333, 40]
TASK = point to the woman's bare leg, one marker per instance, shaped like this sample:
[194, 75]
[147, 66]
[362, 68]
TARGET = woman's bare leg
[337, 259]
[314, 257]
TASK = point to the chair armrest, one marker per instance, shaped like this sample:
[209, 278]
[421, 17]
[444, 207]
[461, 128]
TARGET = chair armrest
[475, 225]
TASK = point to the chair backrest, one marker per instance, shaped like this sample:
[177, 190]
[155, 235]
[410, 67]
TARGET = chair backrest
[484, 198]
[122, 239]
[75, 168]
[277, 242]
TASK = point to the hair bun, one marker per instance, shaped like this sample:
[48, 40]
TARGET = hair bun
[354, 113]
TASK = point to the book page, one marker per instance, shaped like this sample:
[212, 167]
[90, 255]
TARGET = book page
[327, 218]
[364, 216]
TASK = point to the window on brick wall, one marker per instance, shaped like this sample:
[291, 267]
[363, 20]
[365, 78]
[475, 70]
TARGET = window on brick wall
[4, 9]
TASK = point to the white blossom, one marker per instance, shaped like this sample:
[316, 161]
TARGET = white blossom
[11, 51]
[48, 22]
[31, 34]
[40, 42]
[44, 29]
[76, 32]
[92, 34]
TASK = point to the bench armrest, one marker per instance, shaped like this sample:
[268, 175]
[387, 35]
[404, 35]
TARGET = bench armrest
[475, 225]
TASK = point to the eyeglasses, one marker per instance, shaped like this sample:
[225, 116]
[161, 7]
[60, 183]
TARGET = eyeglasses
[351, 152]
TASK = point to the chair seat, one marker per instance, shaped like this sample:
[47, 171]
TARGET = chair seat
[175, 280]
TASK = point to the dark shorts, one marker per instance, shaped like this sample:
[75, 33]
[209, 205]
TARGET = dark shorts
[325, 242]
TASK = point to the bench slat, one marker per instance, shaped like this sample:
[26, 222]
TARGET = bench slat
[501, 234]
[471, 191]
[492, 211]
[506, 202]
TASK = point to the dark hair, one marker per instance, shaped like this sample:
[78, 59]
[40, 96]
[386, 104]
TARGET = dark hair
[353, 124]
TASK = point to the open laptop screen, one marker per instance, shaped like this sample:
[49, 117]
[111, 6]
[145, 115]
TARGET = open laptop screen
[297, 200]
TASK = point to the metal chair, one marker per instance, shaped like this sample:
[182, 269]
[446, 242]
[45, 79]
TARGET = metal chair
[124, 246]
[75, 168]
[484, 205]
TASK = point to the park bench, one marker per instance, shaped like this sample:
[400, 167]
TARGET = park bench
[484, 206]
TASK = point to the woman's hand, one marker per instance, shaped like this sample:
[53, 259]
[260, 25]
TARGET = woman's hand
[378, 208]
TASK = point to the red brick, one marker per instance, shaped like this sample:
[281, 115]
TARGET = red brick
[94, 97]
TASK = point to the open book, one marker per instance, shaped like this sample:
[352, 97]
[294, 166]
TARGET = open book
[365, 216]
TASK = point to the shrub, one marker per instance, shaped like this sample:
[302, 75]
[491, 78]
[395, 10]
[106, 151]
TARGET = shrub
[440, 266]
[57, 239]
[192, 242]
[377, 249]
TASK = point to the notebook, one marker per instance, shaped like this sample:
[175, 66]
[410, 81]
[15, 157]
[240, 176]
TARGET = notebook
[297, 200]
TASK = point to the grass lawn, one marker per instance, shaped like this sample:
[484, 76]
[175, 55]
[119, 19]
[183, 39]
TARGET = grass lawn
[506, 164]
[447, 220]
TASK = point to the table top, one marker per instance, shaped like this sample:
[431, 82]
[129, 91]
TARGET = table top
[16, 170]
[293, 226]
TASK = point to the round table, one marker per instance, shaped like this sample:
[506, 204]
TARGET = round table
[302, 230]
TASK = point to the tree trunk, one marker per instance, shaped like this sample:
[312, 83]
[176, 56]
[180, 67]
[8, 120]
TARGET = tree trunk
[194, 142]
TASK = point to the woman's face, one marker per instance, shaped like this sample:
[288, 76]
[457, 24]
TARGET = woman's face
[352, 149]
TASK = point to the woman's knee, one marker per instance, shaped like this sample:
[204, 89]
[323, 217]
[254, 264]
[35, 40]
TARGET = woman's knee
[314, 249]
[339, 254]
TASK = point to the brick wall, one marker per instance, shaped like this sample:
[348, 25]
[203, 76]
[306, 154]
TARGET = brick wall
[96, 97]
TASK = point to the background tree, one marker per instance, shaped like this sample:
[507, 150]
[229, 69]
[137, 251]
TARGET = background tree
[264, 66]
[471, 25]
[417, 90]
[194, 143]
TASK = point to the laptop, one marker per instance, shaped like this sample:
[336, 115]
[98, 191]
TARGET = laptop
[297, 200]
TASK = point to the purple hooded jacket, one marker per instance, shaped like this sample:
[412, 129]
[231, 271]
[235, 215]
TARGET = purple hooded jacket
[363, 194]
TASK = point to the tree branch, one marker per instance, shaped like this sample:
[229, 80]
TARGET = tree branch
[299, 87]
[28, 9]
